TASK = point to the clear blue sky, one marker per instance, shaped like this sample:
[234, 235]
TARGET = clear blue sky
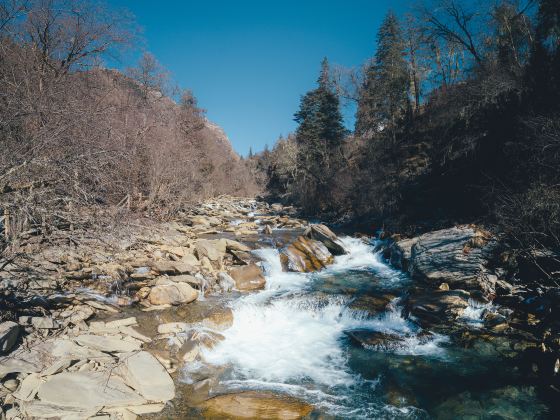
[248, 62]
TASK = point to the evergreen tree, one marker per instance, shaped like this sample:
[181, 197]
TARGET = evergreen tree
[250, 152]
[384, 97]
[319, 136]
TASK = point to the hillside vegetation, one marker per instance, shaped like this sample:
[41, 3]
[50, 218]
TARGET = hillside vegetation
[75, 135]
[458, 120]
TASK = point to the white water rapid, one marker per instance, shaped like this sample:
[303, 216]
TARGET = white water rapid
[291, 337]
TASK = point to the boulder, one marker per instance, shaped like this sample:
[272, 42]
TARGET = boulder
[376, 340]
[324, 235]
[9, 333]
[143, 373]
[88, 390]
[208, 249]
[172, 268]
[305, 255]
[248, 277]
[232, 245]
[255, 405]
[401, 252]
[458, 256]
[437, 307]
[190, 280]
[172, 294]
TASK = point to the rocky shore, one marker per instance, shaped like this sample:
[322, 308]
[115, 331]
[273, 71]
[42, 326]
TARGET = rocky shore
[99, 326]
[465, 268]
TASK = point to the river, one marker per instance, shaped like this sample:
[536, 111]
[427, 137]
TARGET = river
[316, 337]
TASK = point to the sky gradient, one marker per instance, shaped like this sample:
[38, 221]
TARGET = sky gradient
[248, 62]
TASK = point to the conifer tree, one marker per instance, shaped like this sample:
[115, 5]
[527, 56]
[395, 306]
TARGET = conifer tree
[384, 97]
[320, 133]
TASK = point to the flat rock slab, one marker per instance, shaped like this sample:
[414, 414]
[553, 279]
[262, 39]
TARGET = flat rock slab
[107, 344]
[255, 405]
[147, 376]
[87, 391]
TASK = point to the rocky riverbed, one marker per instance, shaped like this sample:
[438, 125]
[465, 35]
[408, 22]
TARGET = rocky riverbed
[241, 310]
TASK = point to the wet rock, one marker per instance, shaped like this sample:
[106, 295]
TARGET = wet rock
[324, 235]
[248, 277]
[9, 333]
[401, 251]
[437, 307]
[219, 319]
[255, 405]
[225, 282]
[375, 339]
[372, 304]
[143, 373]
[305, 255]
[172, 294]
[458, 256]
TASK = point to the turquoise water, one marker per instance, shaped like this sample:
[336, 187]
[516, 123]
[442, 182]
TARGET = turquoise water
[313, 337]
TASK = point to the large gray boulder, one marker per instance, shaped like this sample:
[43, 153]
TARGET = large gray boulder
[458, 256]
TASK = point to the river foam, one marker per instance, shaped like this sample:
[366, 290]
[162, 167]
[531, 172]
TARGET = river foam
[291, 336]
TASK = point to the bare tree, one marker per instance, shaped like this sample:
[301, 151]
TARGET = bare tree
[456, 24]
[150, 75]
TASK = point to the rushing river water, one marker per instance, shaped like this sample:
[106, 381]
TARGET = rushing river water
[295, 337]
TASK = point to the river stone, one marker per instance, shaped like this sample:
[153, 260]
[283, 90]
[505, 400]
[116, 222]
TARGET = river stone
[208, 249]
[401, 251]
[437, 307]
[327, 237]
[305, 255]
[172, 294]
[255, 405]
[9, 333]
[88, 390]
[248, 277]
[142, 372]
[232, 245]
[172, 268]
[107, 344]
[375, 339]
[457, 256]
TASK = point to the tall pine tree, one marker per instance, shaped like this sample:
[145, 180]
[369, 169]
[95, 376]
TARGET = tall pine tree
[319, 137]
[384, 97]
